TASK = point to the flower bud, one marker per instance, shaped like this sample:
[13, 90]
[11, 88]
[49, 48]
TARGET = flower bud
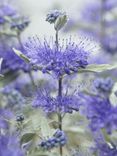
[60, 22]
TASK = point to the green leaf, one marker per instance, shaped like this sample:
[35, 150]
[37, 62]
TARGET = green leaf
[21, 55]
[1, 59]
[113, 96]
[45, 128]
[98, 68]
[27, 137]
[60, 22]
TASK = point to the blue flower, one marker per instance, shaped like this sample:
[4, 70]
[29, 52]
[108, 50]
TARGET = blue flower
[13, 97]
[69, 57]
[103, 85]
[59, 139]
[100, 113]
[20, 23]
[109, 43]
[9, 146]
[50, 102]
[7, 10]
[92, 12]
[103, 147]
[53, 15]
[12, 62]
[5, 115]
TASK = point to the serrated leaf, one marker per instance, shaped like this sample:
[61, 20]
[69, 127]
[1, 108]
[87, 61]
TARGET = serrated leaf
[98, 68]
[113, 95]
[21, 55]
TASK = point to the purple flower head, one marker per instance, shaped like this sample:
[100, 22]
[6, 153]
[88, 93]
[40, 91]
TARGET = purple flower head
[11, 62]
[53, 15]
[20, 23]
[102, 147]
[5, 115]
[110, 4]
[9, 146]
[7, 10]
[92, 11]
[103, 85]
[101, 114]
[69, 57]
[13, 96]
[109, 44]
[2, 20]
[49, 102]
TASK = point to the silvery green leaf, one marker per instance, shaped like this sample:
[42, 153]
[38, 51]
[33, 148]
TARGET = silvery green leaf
[98, 68]
[60, 22]
[21, 55]
[27, 138]
[1, 59]
[45, 128]
[83, 152]
[113, 96]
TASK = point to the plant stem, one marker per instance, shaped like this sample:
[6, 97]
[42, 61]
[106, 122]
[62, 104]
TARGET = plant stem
[59, 95]
[59, 113]
[56, 42]
[32, 79]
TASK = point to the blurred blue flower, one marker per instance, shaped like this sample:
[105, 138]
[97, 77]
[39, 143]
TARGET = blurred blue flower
[7, 10]
[9, 146]
[5, 115]
[103, 147]
[13, 96]
[11, 62]
[92, 12]
[109, 43]
[100, 113]
[103, 85]
[20, 23]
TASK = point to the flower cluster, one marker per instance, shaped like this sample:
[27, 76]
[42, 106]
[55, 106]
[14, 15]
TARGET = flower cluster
[98, 108]
[6, 10]
[20, 23]
[103, 85]
[103, 147]
[51, 103]
[14, 97]
[12, 24]
[67, 59]
[5, 115]
[53, 15]
[92, 11]
[9, 146]
[101, 114]
[98, 13]
[109, 43]
[19, 118]
[12, 62]
[58, 139]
